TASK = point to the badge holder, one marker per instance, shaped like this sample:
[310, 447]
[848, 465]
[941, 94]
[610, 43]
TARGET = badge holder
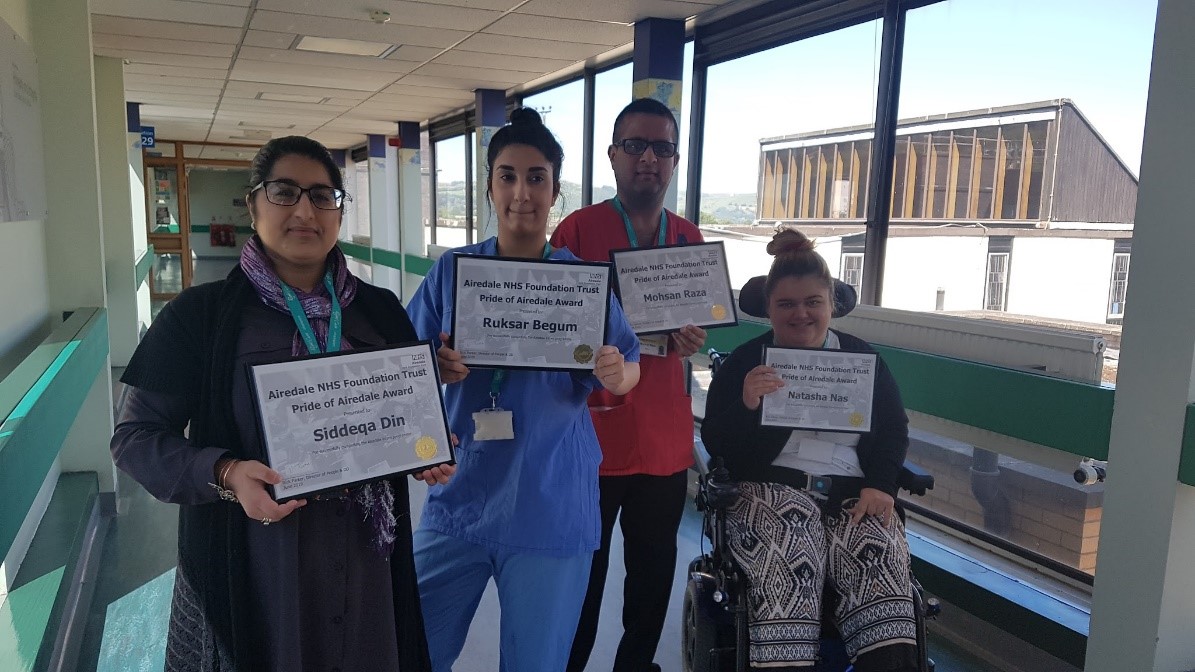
[494, 423]
[655, 345]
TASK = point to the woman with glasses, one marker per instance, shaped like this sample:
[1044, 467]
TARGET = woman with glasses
[523, 506]
[324, 583]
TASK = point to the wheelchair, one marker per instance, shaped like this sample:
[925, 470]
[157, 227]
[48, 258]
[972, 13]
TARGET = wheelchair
[715, 610]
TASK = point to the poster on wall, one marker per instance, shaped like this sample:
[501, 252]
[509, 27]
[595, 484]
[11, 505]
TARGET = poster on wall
[22, 190]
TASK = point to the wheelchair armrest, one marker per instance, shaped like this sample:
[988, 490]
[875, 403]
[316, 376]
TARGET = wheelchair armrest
[914, 479]
[701, 457]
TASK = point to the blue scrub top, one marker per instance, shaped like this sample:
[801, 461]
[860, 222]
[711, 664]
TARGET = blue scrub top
[538, 492]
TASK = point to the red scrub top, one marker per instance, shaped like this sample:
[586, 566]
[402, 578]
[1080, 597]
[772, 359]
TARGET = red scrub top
[650, 429]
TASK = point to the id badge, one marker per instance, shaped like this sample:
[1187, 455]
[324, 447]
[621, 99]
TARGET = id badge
[493, 424]
[655, 345]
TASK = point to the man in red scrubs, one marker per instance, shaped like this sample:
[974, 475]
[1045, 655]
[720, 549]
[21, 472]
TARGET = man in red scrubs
[646, 435]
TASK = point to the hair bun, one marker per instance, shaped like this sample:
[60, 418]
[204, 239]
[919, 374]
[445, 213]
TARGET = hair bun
[525, 116]
[789, 241]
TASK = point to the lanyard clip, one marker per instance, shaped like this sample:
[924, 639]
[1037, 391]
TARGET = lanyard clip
[493, 401]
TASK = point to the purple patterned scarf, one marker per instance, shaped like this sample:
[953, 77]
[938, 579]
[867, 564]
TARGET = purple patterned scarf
[375, 500]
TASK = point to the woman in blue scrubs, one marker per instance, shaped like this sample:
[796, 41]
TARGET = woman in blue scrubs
[522, 510]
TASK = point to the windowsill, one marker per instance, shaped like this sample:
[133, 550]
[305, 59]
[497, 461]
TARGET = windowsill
[1040, 610]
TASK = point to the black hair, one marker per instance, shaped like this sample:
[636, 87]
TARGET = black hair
[646, 106]
[272, 151]
[526, 128]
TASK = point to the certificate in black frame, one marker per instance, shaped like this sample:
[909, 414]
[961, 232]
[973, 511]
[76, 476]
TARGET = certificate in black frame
[598, 266]
[731, 304]
[262, 434]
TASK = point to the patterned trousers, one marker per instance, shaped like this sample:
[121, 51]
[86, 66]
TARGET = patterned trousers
[788, 549]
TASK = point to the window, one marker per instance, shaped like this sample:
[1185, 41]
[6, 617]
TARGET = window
[993, 139]
[361, 228]
[852, 271]
[426, 166]
[611, 93]
[770, 161]
[1040, 147]
[563, 112]
[450, 192]
[1119, 288]
[680, 179]
[997, 285]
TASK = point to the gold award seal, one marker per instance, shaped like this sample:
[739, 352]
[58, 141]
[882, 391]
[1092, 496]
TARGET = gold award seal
[425, 448]
[718, 311]
[856, 419]
[582, 353]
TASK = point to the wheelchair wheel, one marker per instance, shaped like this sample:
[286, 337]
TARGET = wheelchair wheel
[925, 664]
[707, 627]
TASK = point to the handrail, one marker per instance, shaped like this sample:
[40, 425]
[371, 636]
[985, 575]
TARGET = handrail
[39, 400]
[144, 264]
[1065, 415]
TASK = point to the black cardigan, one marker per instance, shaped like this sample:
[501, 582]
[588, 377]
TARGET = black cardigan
[190, 349]
[731, 431]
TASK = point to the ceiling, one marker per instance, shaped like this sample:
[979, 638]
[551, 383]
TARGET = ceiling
[228, 70]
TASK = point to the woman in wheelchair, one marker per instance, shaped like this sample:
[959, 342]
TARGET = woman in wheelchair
[789, 540]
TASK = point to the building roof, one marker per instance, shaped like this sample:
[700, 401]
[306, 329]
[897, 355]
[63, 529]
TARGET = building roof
[991, 116]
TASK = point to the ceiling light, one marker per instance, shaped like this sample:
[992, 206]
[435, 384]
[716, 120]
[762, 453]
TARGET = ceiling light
[330, 45]
[291, 98]
[282, 127]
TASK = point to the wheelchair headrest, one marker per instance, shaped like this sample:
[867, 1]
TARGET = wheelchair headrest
[753, 303]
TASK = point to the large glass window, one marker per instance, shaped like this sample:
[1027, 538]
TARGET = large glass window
[681, 177]
[1016, 178]
[425, 186]
[360, 204]
[767, 156]
[611, 93]
[450, 192]
[991, 139]
[563, 111]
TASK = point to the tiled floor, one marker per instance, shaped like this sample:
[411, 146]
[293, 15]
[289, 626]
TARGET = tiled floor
[126, 626]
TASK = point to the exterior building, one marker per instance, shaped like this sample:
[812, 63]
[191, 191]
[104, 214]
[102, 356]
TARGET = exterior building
[1022, 209]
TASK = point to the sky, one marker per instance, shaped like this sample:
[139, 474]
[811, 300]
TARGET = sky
[959, 55]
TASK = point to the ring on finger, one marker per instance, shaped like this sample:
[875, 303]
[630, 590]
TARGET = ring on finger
[266, 521]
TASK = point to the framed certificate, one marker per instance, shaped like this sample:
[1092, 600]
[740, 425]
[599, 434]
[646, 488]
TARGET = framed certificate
[664, 288]
[526, 314]
[333, 421]
[827, 390]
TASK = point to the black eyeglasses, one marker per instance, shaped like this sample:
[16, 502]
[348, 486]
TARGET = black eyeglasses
[636, 146]
[280, 192]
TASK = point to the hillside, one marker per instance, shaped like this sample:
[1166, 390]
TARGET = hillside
[716, 209]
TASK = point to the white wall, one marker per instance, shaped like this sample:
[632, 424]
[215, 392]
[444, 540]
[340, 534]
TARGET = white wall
[24, 297]
[1064, 278]
[831, 251]
[211, 192]
[917, 267]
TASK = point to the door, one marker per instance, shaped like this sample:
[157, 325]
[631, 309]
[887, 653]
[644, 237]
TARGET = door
[166, 221]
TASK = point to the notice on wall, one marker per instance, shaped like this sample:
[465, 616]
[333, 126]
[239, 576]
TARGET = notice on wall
[22, 189]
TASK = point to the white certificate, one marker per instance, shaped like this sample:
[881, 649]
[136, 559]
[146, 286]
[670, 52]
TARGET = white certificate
[520, 313]
[829, 390]
[333, 421]
[664, 288]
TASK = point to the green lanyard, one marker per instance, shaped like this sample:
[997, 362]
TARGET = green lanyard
[626, 220]
[500, 374]
[304, 326]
